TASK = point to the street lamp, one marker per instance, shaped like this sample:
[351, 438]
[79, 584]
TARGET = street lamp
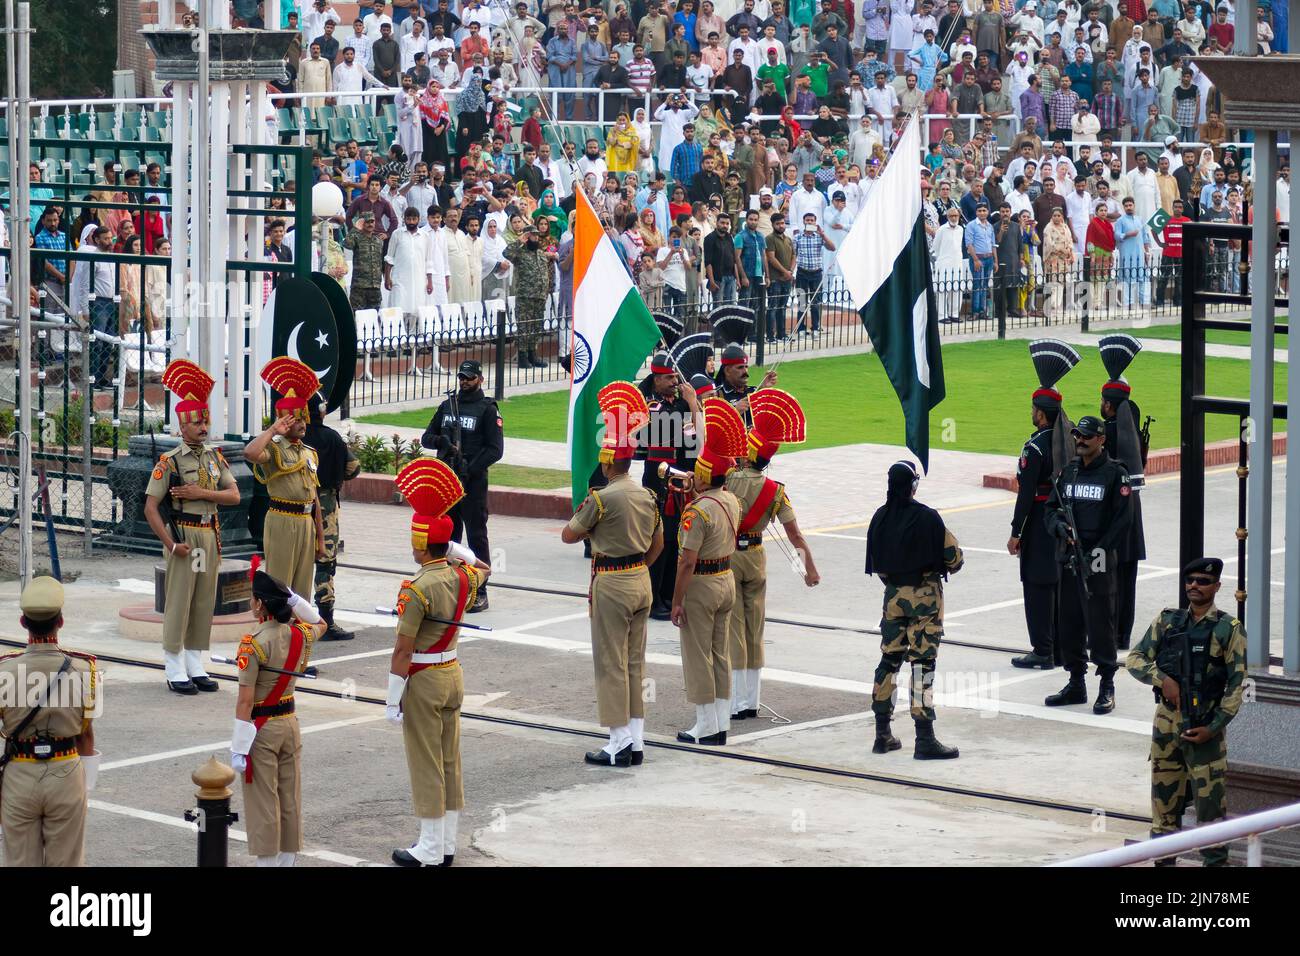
[326, 204]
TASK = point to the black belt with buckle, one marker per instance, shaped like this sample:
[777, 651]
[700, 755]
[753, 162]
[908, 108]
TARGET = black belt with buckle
[746, 541]
[291, 507]
[713, 566]
[45, 748]
[604, 562]
[282, 709]
[194, 521]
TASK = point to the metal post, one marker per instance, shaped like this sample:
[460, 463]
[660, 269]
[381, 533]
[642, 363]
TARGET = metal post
[1245, 34]
[1291, 558]
[1191, 498]
[182, 149]
[1259, 504]
[17, 46]
[499, 386]
[218, 224]
[87, 446]
[201, 212]
[213, 814]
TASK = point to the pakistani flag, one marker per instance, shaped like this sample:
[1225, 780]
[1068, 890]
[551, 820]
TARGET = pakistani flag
[612, 334]
[1157, 224]
[886, 267]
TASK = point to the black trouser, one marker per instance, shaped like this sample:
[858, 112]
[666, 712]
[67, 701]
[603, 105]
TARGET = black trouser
[470, 515]
[1126, 576]
[1094, 638]
[1171, 273]
[754, 296]
[778, 295]
[1040, 616]
[663, 573]
[810, 280]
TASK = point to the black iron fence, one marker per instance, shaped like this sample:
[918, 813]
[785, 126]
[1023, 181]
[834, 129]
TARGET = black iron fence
[405, 359]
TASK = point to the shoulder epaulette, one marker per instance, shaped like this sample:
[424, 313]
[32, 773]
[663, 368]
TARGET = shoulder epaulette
[600, 505]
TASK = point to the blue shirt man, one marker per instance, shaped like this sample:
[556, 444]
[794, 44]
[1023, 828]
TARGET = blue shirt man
[561, 54]
[752, 248]
[1131, 241]
[980, 241]
[687, 156]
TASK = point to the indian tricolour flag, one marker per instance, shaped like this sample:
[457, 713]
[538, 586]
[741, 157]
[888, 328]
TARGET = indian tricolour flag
[612, 335]
[886, 266]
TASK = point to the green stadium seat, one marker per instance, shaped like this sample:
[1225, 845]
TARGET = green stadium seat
[159, 118]
[150, 134]
[338, 131]
[4, 169]
[83, 122]
[153, 156]
[359, 129]
[130, 160]
[105, 134]
[390, 116]
[131, 119]
[127, 135]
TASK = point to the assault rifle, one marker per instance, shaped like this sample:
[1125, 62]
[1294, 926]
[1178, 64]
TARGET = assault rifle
[165, 506]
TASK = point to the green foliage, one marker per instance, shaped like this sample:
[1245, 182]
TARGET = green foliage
[74, 48]
[373, 453]
[8, 422]
[404, 451]
[67, 427]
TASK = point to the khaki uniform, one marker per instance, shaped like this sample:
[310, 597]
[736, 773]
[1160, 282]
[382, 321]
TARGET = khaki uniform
[749, 565]
[191, 580]
[708, 527]
[1178, 766]
[622, 519]
[289, 535]
[434, 692]
[273, 798]
[43, 802]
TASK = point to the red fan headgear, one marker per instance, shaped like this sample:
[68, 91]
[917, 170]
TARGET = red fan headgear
[777, 419]
[430, 487]
[724, 440]
[294, 382]
[626, 413]
[191, 385]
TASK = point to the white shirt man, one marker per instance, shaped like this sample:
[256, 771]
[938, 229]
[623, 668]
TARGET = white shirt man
[359, 42]
[465, 265]
[1284, 199]
[1078, 209]
[1145, 192]
[411, 273]
[350, 75]
[448, 74]
[670, 133]
[372, 22]
[1019, 201]
[437, 43]
[588, 165]
[556, 171]
[882, 101]
[803, 201]
[1029, 21]
[313, 20]
[412, 44]
[862, 142]
[482, 16]
[699, 77]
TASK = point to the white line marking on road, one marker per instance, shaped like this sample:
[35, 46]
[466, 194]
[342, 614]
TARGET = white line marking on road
[135, 585]
[329, 856]
[792, 728]
[503, 635]
[225, 744]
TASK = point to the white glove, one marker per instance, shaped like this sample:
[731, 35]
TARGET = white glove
[396, 687]
[461, 553]
[238, 762]
[241, 742]
[303, 609]
[90, 766]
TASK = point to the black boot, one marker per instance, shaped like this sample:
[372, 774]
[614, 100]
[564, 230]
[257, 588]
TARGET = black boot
[332, 631]
[1072, 693]
[1105, 702]
[1034, 659]
[885, 741]
[536, 362]
[480, 602]
[927, 746]
[523, 360]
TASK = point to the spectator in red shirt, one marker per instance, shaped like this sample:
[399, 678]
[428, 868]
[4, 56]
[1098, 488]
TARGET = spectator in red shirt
[1221, 30]
[149, 226]
[1171, 264]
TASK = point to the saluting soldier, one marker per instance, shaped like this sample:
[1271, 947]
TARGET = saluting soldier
[50, 762]
[190, 482]
[367, 263]
[534, 280]
[621, 519]
[293, 537]
[1198, 694]
[1124, 443]
[1097, 489]
[1040, 461]
[705, 589]
[425, 684]
[337, 465]
[777, 419]
[266, 746]
[913, 552]
[671, 439]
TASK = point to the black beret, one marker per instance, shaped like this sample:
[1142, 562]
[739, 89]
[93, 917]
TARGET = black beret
[1210, 566]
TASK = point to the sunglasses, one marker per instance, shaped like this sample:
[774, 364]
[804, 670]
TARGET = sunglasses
[1199, 580]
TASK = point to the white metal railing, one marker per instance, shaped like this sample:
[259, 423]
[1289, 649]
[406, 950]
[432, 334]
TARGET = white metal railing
[1250, 826]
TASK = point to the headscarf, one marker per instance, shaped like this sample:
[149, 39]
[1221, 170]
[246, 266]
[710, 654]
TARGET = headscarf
[905, 537]
[433, 105]
[471, 98]
[649, 233]
[493, 248]
[556, 229]
[642, 126]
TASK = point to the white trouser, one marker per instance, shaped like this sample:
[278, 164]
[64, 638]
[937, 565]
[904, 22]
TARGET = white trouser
[619, 737]
[428, 849]
[637, 727]
[194, 664]
[174, 668]
[706, 719]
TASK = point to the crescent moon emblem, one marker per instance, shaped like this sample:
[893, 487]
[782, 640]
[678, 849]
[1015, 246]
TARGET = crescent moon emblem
[292, 349]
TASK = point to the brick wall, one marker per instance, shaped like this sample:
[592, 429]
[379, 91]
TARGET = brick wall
[132, 52]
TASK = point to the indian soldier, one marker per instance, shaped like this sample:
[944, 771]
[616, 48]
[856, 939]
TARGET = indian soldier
[670, 440]
[266, 745]
[1195, 660]
[189, 483]
[466, 431]
[50, 762]
[622, 521]
[1125, 444]
[337, 464]
[1040, 461]
[294, 535]
[912, 551]
[367, 263]
[534, 279]
[705, 590]
[1096, 490]
[777, 419]
[425, 685]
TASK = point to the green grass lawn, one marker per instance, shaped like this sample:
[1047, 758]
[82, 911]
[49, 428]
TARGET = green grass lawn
[522, 476]
[848, 399]
[1174, 333]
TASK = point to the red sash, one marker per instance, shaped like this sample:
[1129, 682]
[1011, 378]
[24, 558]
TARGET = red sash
[462, 599]
[297, 641]
[766, 495]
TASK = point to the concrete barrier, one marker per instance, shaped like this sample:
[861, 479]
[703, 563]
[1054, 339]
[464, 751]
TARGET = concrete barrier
[513, 502]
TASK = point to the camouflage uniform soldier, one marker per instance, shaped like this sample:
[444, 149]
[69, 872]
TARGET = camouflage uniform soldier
[912, 551]
[367, 263]
[534, 279]
[1196, 661]
[337, 464]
